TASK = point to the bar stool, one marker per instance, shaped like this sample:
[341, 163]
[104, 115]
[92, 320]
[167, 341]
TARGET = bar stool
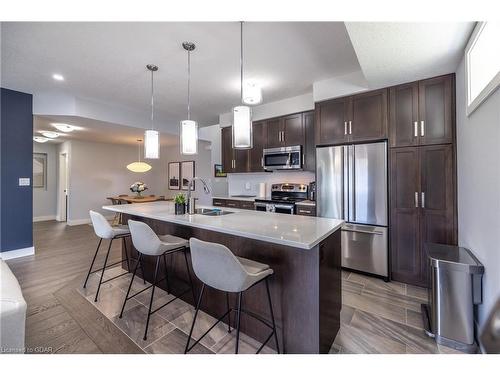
[216, 266]
[147, 242]
[118, 216]
[104, 230]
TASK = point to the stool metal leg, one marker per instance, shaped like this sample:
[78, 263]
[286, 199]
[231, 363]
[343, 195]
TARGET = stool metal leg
[194, 318]
[189, 274]
[272, 316]
[166, 272]
[126, 254]
[103, 269]
[240, 297]
[92, 264]
[155, 278]
[139, 261]
[228, 315]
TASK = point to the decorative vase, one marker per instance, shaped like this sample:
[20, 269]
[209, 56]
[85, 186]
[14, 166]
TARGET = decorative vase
[180, 208]
[138, 195]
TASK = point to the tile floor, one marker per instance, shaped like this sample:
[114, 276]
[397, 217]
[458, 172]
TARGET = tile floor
[376, 317]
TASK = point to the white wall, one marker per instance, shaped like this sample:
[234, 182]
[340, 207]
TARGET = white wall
[478, 159]
[340, 86]
[45, 199]
[98, 170]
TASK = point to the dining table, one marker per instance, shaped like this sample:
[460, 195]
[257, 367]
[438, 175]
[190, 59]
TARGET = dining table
[142, 199]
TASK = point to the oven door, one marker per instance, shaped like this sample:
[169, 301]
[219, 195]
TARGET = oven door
[284, 209]
[260, 206]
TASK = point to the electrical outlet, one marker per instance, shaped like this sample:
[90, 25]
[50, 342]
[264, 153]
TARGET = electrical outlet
[24, 181]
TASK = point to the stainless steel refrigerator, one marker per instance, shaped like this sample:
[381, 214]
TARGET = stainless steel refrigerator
[352, 186]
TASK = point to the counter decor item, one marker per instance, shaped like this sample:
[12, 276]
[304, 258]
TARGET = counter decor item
[180, 204]
[138, 187]
[218, 171]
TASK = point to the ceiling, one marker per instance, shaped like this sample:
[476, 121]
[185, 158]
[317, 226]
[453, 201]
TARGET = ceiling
[106, 62]
[95, 131]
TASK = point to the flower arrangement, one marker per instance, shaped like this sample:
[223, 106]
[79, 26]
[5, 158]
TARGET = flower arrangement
[138, 187]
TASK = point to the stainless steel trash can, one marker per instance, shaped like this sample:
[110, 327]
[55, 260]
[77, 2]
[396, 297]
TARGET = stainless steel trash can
[456, 286]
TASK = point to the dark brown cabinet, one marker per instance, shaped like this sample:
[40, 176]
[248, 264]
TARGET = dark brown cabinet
[356, 118]
[305, 210]
[233, 161]
[274, 130]
[422, 113]
[285, 131]
[309, 144]
[259, 143]
[422, 207]
[233, 203]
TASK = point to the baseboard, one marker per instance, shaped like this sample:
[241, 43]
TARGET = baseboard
[12, 254]
[44, 218]
[85, 221]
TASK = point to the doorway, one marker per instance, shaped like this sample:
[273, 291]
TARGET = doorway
[62, 189]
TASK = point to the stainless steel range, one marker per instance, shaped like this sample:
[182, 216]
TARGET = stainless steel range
[283, 198]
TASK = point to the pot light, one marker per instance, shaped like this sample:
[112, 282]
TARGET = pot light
[49, 134]
[252, 93]
[189, 128]
[58, 77]
[63, 127]
[40, 139]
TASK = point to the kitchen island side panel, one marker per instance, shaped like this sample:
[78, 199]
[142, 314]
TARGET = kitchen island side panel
[304, 289]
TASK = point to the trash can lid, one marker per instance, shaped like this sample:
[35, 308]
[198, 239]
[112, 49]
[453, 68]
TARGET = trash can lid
[453, 258]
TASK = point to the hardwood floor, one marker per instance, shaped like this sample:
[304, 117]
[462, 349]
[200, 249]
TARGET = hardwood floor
[377, 317]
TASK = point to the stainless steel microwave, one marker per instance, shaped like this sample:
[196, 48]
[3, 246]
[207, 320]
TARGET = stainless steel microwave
[282, 158]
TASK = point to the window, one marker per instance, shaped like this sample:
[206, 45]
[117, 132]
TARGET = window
[482, 58]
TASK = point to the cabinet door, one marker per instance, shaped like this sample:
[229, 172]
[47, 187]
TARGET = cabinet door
[241, 161]
[436, 110]
[259, 143]
[293, 130]
[406, 256]
[331, 125]
[437, 201]
[309, 146]
[403, 115]
[274, 129]
[369, 116]
[227, 150]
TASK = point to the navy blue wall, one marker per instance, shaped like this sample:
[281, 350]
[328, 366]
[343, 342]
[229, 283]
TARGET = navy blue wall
[16, 202]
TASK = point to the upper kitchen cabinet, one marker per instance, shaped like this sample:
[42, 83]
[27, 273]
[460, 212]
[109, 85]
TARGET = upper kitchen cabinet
[285, 131]
[367, 119]
[422, 113]
[233, 161]
[331, 121]
[259, 143]
[309, 144]
[356, 118]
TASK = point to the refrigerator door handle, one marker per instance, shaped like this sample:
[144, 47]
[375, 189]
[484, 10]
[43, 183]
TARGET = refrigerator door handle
[416, 199]
[350, 193]
[345, 178]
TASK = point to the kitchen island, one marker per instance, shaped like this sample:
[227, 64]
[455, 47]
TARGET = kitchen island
[304, 253]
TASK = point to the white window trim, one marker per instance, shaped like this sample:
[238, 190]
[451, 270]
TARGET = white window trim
[492, 85]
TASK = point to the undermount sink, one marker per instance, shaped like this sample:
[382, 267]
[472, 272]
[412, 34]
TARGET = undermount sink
[211, 212]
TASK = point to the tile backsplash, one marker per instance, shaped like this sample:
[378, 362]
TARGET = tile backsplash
[248, 183]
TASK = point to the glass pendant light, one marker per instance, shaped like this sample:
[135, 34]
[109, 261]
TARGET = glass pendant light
[189, 128]
[139, 166]
[242, 114]
[152, 137]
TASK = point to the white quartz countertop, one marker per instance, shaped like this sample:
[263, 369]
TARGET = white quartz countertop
[302, 232]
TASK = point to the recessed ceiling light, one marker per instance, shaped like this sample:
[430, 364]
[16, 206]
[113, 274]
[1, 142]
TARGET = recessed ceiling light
[49, 134]
[63, 127]
[40, 139]
[58, 77]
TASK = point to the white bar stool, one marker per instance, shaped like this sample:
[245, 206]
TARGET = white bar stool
[147, 242]
[216, 266]
[104, 230]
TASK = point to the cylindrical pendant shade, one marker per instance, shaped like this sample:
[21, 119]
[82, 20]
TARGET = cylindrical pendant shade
[189, 137]
[151, 144]
[252, 94]
[242, 127]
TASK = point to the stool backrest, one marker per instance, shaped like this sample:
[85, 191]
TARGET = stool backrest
[102, 227]
[144, 238]
[215, 265]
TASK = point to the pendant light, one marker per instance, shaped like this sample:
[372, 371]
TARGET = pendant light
[139, 166]
[242, 114]
[152, 137]
[189, 128]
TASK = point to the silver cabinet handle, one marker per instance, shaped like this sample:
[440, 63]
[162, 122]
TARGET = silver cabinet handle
[303, 159]
[305, 211]
[350, 127]
[415, 124]
[262, 162]
[422, 127]
[416, 199]
[282, 136]
[345, 127]
[423, 199]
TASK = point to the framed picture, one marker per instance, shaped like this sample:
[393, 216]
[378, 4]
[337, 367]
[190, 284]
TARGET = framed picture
[218, 171]
[174, 176]
[39, 170]
[187, 174]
